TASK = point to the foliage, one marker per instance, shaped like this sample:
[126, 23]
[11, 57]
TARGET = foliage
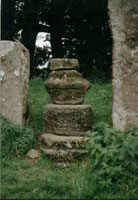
[15, 139]
[79, 29]
[113, 159]
[41, 57]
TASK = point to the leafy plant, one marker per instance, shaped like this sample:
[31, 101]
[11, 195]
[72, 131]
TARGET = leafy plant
[113, 157]
[15, 139]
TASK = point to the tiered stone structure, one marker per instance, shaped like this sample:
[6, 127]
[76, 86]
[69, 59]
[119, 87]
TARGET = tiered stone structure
[66, 120]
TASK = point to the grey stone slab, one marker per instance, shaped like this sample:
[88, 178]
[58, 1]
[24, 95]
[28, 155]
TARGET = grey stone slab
[124, 24]
[14, 81]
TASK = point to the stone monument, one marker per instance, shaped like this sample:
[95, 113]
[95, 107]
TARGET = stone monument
[66, 120]
[14, 81]
[124, 23]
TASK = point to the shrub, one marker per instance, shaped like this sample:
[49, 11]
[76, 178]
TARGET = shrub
[15, 139]
[113, 157]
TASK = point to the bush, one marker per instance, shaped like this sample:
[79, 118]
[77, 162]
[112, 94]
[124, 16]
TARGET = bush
[113, 157]
[15, 139]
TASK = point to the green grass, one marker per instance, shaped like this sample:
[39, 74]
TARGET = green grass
[42, 180]
[38, 97]
[45, 180]
[100, 97]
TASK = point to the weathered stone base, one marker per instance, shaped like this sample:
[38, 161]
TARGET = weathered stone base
[63, 148]
[71, 120]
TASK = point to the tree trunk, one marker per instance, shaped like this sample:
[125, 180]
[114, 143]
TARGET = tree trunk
[124, 23]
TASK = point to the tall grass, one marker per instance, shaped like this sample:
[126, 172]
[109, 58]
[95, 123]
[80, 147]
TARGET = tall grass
[15, 140]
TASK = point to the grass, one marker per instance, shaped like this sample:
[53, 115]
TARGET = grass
[38, 97]
[45, 180]
[100, 97]
[42, 180]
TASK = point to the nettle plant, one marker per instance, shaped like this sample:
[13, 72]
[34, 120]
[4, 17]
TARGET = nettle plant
[113, 155]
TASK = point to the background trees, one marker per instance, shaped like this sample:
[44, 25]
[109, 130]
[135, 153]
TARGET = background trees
[78, 29]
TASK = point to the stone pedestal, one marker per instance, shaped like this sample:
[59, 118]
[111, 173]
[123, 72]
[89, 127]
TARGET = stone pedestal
[65, 121]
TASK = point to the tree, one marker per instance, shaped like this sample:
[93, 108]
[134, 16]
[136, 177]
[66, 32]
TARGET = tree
[31, 26]
[79, 29]
[7, 19]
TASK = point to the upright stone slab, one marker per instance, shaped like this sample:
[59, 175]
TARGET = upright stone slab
[124, 23]
[14, 80]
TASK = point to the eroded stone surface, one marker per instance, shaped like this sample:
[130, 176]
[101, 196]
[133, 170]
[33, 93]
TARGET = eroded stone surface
[63, 148]
[63, 142]
[124, 24]
[64, 63]
[66, 87]
[65, 120]
[14, 79]
[63, 156]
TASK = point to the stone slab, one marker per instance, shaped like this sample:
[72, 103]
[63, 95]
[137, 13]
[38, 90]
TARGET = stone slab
[14, 80]
[124, 24]
[62, 153]
[63, 142]
[64, 63]
[62, 156]
[73, 120]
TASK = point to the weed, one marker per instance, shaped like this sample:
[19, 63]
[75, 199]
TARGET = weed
[113, 159]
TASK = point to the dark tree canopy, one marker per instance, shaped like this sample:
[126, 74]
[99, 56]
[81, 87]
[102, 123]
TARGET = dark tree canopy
[78, 29]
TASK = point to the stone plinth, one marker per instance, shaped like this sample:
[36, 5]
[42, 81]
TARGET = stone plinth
[71, 120]
[66, 87]
[124, 24]
[63, 148]
[14, 80]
